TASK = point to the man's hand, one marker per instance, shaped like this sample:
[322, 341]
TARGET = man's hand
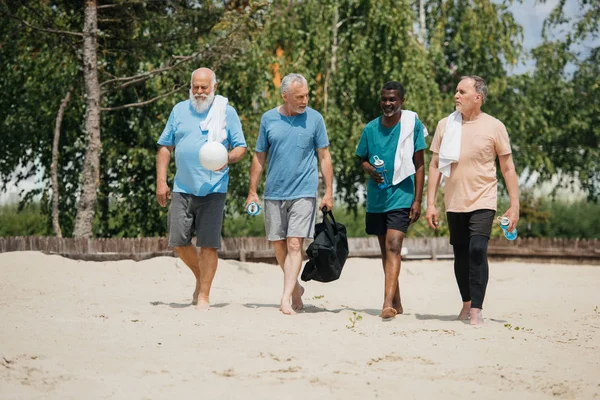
[415, 211]
[432, 216]
[376, 176]
[327, 202]
[513, 215]
[162, 194]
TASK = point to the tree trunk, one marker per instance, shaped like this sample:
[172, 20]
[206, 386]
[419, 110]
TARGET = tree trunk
[54, 165]
[333, 60]
[422, 20]
[91, 167]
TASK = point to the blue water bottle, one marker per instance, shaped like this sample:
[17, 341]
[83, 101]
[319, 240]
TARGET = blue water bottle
[380, 169]
[253, 209]
[504, 221]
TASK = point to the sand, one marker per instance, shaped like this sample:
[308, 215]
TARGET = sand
[126, 330]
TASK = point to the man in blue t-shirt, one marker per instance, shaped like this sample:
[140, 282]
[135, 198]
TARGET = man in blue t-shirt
[398, 138]
[293, 136]
[198, 196]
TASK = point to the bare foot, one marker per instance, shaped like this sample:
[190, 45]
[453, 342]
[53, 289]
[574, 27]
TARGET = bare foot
[388, 312]
[202, 305]
[286, 308]
[464, 313]
[398, 307]
[297, 303]
[476, 316]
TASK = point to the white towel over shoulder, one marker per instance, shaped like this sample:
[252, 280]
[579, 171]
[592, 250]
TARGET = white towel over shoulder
[215, 122]
[450, 147]
[403, 161]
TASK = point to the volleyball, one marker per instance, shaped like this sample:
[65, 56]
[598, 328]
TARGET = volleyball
[213, 156]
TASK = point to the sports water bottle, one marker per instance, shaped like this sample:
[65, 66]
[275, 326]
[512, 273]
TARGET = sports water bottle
[380, 169]
[504, 221]
[253, 209]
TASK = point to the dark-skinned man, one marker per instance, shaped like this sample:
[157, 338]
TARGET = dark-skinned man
[397, 138]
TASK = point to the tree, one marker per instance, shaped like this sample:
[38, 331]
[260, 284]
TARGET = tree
[555, 109]
[128, 45]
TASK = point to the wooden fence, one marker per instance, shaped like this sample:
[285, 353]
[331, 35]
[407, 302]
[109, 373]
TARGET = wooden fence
[259, 249]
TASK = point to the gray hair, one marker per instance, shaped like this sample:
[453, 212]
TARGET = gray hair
[480, 86]
[287, 81]
[214, 76]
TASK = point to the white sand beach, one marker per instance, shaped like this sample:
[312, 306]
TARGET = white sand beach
[126, 330]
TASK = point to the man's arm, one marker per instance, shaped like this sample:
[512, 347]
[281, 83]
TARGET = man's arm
[258, 164]
[327, 172]
[236, 154]
[509, 173]
[163, 156]
[433, 182]
[419, 161]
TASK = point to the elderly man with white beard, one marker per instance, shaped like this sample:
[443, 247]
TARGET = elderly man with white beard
[198, 196]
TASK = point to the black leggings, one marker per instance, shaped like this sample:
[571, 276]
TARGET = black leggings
[471, 269]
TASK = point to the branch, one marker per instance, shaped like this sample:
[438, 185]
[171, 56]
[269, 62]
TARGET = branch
[143, 103]
[129, 80]
[57, 31]
[108, 6]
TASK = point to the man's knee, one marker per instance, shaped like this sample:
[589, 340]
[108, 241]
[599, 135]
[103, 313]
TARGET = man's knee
[393, 242]
[179, 250]
[208, 250]
[478, 248]
[294, 245]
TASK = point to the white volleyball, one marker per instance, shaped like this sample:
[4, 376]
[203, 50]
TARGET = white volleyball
[213, 155]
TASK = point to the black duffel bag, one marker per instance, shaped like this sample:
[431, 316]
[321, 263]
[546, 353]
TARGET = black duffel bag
[328, 252]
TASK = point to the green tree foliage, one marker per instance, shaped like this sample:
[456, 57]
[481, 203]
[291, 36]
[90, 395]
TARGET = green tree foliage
[346, 48]
[146, 50]
[553, 113]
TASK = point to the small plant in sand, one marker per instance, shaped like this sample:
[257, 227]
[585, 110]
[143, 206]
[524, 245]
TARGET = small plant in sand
[517, 328]
[318, 297]
[353, 320]
[596, 310]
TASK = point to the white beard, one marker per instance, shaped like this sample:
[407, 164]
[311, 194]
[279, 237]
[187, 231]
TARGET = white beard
[201, 104]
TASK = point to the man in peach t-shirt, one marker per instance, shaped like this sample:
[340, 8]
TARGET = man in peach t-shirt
[471, 191]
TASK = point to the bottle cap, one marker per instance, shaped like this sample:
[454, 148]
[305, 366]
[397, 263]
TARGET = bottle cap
[504, 220]
[377, 162]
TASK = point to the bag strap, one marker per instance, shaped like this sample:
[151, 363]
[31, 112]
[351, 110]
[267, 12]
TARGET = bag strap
[328, 223]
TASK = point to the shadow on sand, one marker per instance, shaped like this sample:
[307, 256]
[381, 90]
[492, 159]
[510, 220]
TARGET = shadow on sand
[185, 305]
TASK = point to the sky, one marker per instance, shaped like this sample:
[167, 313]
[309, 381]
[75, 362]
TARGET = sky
[528, 13]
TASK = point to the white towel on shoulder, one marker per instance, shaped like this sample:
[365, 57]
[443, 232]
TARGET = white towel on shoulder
[450, 147]
[403, 161]
[215, 122]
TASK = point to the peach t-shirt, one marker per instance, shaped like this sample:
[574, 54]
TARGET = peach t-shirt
[472, 184]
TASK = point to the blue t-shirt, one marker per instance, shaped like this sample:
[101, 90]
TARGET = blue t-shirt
[378, 140]
[183, 131]
[292, 144]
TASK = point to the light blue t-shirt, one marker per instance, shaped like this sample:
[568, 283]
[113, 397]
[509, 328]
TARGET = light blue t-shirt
[292, 144]
[183, 131]
[378, 140]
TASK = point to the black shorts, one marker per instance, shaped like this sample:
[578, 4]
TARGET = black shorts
[379, 223]
[464, 225]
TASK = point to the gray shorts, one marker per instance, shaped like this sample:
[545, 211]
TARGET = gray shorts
[202, 214]
[290, 218]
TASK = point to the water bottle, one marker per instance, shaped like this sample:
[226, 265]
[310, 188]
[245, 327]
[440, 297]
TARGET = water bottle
[253, 209]
[504, 221]
[380, 169]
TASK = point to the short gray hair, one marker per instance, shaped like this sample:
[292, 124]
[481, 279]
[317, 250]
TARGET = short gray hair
[287, 81]
[214, 76]
[480, 86]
